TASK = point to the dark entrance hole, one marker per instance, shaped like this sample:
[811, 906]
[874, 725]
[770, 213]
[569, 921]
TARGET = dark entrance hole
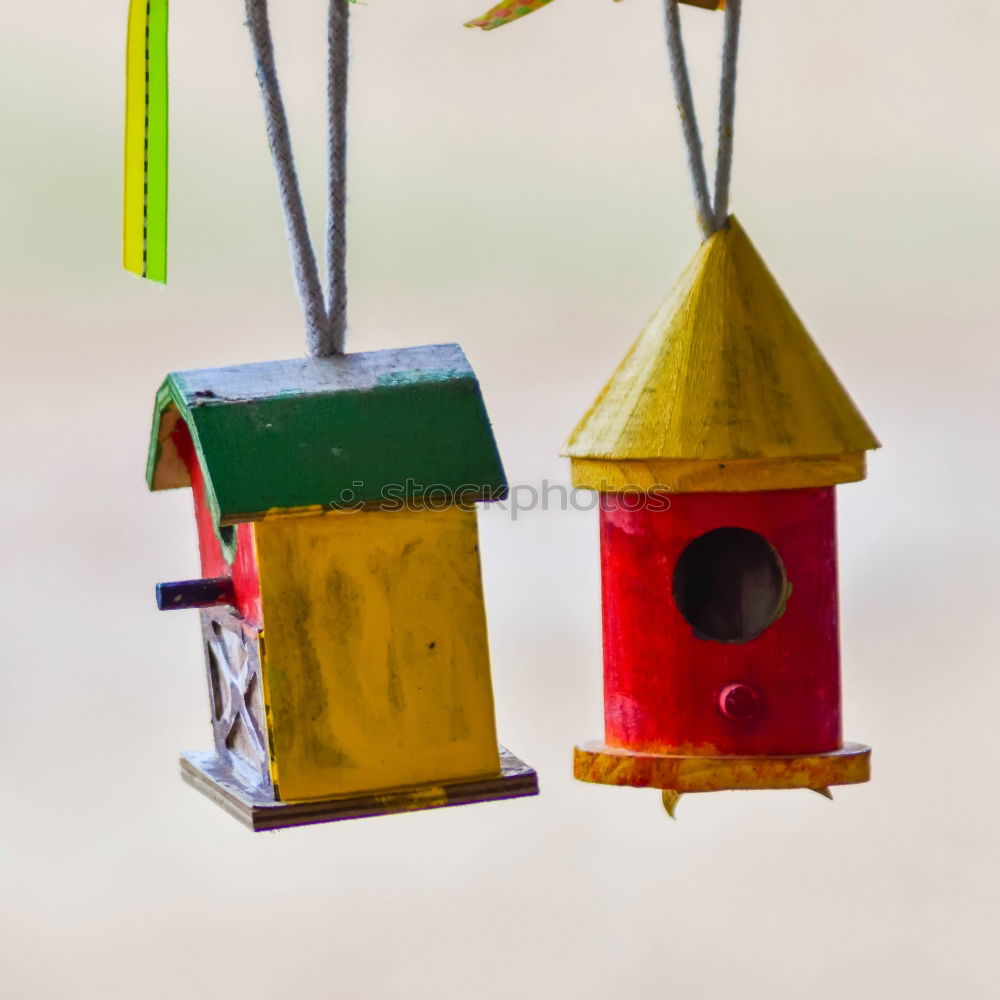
[730, 585]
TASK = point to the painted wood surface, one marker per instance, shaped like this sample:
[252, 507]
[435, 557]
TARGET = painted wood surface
[315, 433]
[733, 475]
[601, 764]
[181, 595]
[376, 665]
[663, 681]
[254, 807]
[224, 552]
[724, 371]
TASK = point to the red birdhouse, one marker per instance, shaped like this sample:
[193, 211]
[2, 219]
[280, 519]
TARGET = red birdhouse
[716, 447]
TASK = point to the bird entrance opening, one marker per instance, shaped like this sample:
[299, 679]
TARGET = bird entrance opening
[730, 585]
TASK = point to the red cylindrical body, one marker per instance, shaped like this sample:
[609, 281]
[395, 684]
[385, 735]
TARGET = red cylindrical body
[671, 689]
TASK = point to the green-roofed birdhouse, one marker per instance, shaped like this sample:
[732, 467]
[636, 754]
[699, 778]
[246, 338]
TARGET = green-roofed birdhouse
[340, 592]
[341, 600]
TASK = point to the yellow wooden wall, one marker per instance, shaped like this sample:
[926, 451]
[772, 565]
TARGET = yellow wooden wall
[375, 658]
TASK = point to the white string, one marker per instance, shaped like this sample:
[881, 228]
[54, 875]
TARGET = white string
[711, 216]
[326, 321]
[336, 233]
[689, 117]
[727, 112]
[303, 257]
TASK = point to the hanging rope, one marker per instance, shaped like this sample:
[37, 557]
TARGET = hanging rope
[712, 214]
[727, 112]
[689, 117]
[326, 321]
[336, 233]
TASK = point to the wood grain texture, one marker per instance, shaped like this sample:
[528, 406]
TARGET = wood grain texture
[725, 370]
[376, 665]
[254, 808]
[310, 432]
[663, 680]
[595, 762]
[735, 476]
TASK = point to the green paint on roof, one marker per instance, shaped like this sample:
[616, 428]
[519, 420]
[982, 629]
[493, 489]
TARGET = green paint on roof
[314, 432]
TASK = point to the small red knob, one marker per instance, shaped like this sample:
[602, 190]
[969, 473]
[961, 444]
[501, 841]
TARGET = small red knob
[739, 701]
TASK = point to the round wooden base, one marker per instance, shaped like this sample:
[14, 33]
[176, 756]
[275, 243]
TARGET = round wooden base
[679, 773]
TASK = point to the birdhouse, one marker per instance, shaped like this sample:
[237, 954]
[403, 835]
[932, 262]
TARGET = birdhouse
[716, 447]
[340, 596]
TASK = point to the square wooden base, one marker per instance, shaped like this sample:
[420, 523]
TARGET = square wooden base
[252, 806]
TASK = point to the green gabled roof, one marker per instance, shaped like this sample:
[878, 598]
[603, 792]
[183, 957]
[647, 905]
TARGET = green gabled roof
[293, 434]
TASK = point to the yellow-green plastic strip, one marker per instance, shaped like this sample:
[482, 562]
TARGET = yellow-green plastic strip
[146, 140]
[504, 13]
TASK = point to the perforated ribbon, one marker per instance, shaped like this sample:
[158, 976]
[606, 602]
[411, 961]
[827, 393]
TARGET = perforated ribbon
[144, 249]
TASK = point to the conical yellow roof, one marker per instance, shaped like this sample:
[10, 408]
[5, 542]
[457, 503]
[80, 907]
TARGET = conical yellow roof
[724, 372]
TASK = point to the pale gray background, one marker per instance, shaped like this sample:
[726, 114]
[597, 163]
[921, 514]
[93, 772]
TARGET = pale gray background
[524, 193]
